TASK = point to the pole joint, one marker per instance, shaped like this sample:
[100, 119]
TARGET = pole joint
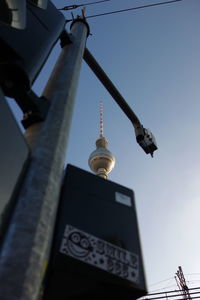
[83, 20]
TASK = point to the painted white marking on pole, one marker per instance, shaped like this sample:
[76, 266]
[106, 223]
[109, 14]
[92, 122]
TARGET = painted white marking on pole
[123, 199]
[99, 253]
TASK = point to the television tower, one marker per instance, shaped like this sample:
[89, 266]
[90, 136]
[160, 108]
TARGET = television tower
[101, 160]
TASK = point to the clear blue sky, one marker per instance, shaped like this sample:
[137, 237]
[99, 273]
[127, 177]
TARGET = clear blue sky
[153, 57]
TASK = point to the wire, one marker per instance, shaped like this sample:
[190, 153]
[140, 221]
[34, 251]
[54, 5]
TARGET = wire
[167, 279]
[70, 7]
[128, 9]
[166, 297]
[193, 274]
[175, 291]
[164, 288]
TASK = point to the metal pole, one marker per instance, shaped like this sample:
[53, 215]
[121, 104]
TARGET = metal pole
[25, 250]
[32, 134]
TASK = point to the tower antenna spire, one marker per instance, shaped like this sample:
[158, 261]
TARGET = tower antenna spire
[101, 120]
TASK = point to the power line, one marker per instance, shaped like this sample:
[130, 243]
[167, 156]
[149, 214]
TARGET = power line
[74, 6]
[174, 291]
[172, 294]
[166, 297]
[161, 281]
[164, 287]
[192, 281]
[169, 296]
[129, 9]
[193, 274]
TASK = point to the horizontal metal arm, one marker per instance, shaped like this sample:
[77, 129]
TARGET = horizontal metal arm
[144, 136]
[101, 75]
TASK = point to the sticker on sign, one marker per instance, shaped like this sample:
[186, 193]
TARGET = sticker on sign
[123, 199]
[99, 253]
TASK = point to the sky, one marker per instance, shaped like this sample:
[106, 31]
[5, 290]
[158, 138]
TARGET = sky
[152, 55]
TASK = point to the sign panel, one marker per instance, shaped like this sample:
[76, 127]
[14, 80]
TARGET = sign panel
[96, 252]
[14, 154]
[99, 253]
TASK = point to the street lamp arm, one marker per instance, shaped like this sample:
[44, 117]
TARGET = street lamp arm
[144, 136]
[108, 84]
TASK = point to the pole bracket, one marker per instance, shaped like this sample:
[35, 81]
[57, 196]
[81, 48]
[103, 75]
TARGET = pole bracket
[83, 20]
[34, 108]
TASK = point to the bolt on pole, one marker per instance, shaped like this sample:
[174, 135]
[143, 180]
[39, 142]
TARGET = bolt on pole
[27, 243]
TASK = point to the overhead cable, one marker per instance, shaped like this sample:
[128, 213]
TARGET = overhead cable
[170, 296]
[129, 9]
[74, 6]
[174, 291]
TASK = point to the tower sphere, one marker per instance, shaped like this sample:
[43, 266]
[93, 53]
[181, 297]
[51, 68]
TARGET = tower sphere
[101, 160]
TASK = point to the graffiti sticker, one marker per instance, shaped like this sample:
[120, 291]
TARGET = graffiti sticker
[99, 253]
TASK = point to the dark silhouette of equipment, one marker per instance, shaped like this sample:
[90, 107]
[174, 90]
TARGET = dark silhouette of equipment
[27, 34]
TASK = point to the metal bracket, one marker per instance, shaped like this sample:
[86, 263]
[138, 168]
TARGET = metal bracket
[65, 39]
[34, 108]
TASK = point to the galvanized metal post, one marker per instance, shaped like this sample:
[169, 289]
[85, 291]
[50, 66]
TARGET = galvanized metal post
[25, 250]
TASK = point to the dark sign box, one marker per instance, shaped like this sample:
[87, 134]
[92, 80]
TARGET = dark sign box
[96, 251]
